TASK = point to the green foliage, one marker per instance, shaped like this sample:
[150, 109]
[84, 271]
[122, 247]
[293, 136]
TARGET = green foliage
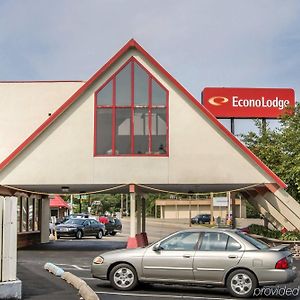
[279, 149]
[274, 234]
[264, 231]
[110, 202]
[251, 211]
[291, 236]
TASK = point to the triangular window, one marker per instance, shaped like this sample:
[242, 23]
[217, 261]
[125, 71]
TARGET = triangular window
[131, 114]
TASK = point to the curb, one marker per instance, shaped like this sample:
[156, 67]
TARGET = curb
[83, 288]
[54, 269]
[73, 280]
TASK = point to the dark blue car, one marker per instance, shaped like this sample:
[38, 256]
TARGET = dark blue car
[201, 219]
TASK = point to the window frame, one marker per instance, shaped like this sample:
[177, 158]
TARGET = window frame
[36, 215]
[225, 250]
[196, 246]
[132, 107]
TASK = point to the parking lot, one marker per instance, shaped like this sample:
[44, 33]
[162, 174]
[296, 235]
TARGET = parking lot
[76, 256]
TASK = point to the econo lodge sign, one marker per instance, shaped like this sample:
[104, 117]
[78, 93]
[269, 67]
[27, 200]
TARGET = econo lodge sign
[248, 102]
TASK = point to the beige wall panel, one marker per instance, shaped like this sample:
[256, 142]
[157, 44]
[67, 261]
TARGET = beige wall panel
[170, 212]
[199, 151]
[26, 107]
[204, 209]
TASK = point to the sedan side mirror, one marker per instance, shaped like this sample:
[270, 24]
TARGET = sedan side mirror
[157, 247]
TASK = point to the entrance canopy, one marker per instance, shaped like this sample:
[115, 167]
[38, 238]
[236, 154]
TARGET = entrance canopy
[142, 188]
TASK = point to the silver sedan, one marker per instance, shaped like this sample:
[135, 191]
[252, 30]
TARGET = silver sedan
[208, 257]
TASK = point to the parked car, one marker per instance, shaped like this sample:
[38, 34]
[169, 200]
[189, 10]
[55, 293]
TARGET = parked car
[113, 226]
[80, 227]
[201, 219]
[209, 257]
[72, 216]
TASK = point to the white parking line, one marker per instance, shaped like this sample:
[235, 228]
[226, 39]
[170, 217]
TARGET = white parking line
[72, 267]
[76, 267]
[162, 296]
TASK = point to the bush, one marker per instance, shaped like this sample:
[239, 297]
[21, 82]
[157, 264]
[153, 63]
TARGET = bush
[274, 234]
[290, 236]
[264, 231]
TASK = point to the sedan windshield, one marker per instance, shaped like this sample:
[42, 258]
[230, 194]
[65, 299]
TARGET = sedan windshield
[253, 241]
[75, 221]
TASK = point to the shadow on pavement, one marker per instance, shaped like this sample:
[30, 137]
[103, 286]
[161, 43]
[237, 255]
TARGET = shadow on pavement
[39, 284]
[77, 245]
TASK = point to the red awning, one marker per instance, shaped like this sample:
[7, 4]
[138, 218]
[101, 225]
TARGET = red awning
[57, 201]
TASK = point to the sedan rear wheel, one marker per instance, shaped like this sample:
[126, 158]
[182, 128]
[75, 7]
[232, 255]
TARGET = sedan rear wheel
[241, 283]
[123, 277]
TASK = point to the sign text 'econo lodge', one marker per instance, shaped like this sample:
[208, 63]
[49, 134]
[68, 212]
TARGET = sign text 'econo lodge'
[248, 102]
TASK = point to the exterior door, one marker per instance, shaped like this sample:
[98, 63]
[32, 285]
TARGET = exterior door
[218, 253]
[174, 260]
[94, 227]
[88, 229]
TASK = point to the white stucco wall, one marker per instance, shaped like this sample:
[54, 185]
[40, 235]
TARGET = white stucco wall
[199, 151]
[25, 106]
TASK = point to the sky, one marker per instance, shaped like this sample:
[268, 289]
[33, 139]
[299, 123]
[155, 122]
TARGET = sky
[230, 43]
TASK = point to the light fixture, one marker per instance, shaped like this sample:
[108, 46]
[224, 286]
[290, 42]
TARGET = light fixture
[65, 189]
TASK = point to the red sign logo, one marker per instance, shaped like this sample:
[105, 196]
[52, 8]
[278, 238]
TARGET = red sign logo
[217, 101]
[248, 102]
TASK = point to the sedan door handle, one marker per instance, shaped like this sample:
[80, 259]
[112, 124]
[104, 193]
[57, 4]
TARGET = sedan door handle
[232, 256]
[186, 256]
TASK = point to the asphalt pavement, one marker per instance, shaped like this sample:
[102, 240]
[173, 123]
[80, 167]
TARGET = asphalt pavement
[76, 256]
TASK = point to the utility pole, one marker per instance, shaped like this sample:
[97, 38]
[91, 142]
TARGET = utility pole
[126, 205]
[211, 208]
[190, 212]
[122, 208]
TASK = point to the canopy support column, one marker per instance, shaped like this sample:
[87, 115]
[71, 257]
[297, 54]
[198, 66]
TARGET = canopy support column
[233, 207]
[143, 214]
[132, 240]
[45, 216]
[138, 215]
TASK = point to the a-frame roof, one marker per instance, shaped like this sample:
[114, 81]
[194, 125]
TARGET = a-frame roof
[58, 201]
[132, 44]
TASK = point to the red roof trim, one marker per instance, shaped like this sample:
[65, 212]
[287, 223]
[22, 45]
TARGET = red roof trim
[39, 81]
[133, 44]
[65, 106]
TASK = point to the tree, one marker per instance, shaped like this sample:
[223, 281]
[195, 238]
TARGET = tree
[279, 149]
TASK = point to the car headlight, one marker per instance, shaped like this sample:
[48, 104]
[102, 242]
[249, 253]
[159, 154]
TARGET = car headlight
[98, 260]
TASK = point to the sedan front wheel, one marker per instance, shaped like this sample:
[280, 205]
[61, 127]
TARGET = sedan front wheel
[78, 235]
[123, 277]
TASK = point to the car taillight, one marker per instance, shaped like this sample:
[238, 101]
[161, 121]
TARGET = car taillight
[282, 264]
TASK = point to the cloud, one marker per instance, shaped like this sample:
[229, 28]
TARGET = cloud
[201, 43]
